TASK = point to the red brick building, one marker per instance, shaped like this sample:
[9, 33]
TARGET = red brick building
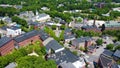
[6, 45]
[27, 38]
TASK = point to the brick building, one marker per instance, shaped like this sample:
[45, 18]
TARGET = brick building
[6, 45]
[27, 38]
[82, 42]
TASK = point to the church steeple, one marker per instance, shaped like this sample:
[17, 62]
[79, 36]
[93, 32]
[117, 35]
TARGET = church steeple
[37, 12]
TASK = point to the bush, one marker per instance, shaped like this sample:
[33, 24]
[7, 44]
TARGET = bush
[99, 42]
[74, 52]
[82, 48]
[110, 47]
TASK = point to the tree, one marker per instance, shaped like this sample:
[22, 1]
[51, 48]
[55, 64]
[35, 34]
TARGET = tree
[62, 35]
[53, 27]
[103, 27]
[82, 48]
[62, 27]
[99, 41]
[19, 21]
[110, 47]
[74, 52]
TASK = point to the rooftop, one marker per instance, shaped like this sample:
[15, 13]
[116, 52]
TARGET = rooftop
[115, 65]
[14, 28]
[117, 53]
[43, 35]
[83, 39]
[68, 30]
[4, 40]
[69, 36]
[105, 61]
[91, 47]
[42, 15]
[117, 43]
[53, 44]
[107, 53]
[64, 56]
[25, 36]
[112, 24]
[90, 27]
[4, 28]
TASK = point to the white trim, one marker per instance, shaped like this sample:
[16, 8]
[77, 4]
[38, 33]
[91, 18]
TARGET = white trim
[58, 50]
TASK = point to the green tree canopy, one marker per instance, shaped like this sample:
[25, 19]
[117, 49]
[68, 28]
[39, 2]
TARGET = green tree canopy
[110, 47]
[99, 41]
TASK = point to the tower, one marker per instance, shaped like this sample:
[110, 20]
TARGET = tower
[37, 12]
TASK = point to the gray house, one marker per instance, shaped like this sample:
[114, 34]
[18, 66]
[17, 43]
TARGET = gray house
[82, 42]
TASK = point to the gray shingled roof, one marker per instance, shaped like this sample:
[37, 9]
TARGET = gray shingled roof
[26, 36]
[64, 56]
[4, 40]
[91, 47]
[114, 65]
[14, 28]
[4, 28]
[83, 39]
[69, 36]
[43, 35]
[42, 15]
[117, 53]
[90, 27]
[53, 45]
[107, 53]
[68, 30]
[105, 61]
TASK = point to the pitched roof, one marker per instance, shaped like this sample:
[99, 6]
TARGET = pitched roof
[69, 36]
[14, 28]
[68, 30]
[107, 53]
[4, 28]
[42, 15]
[105, 61]
[117, 43]
[117, 53]
[115, 65]
[64, 56]
[67, 65]
[4, 40]
[43, 35]
[83, 39]
[90, 27]
[26, 36]
[53, 44]
[91, 47]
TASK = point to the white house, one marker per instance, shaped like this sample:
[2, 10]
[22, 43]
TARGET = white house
[42, 17]
[13, 31]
